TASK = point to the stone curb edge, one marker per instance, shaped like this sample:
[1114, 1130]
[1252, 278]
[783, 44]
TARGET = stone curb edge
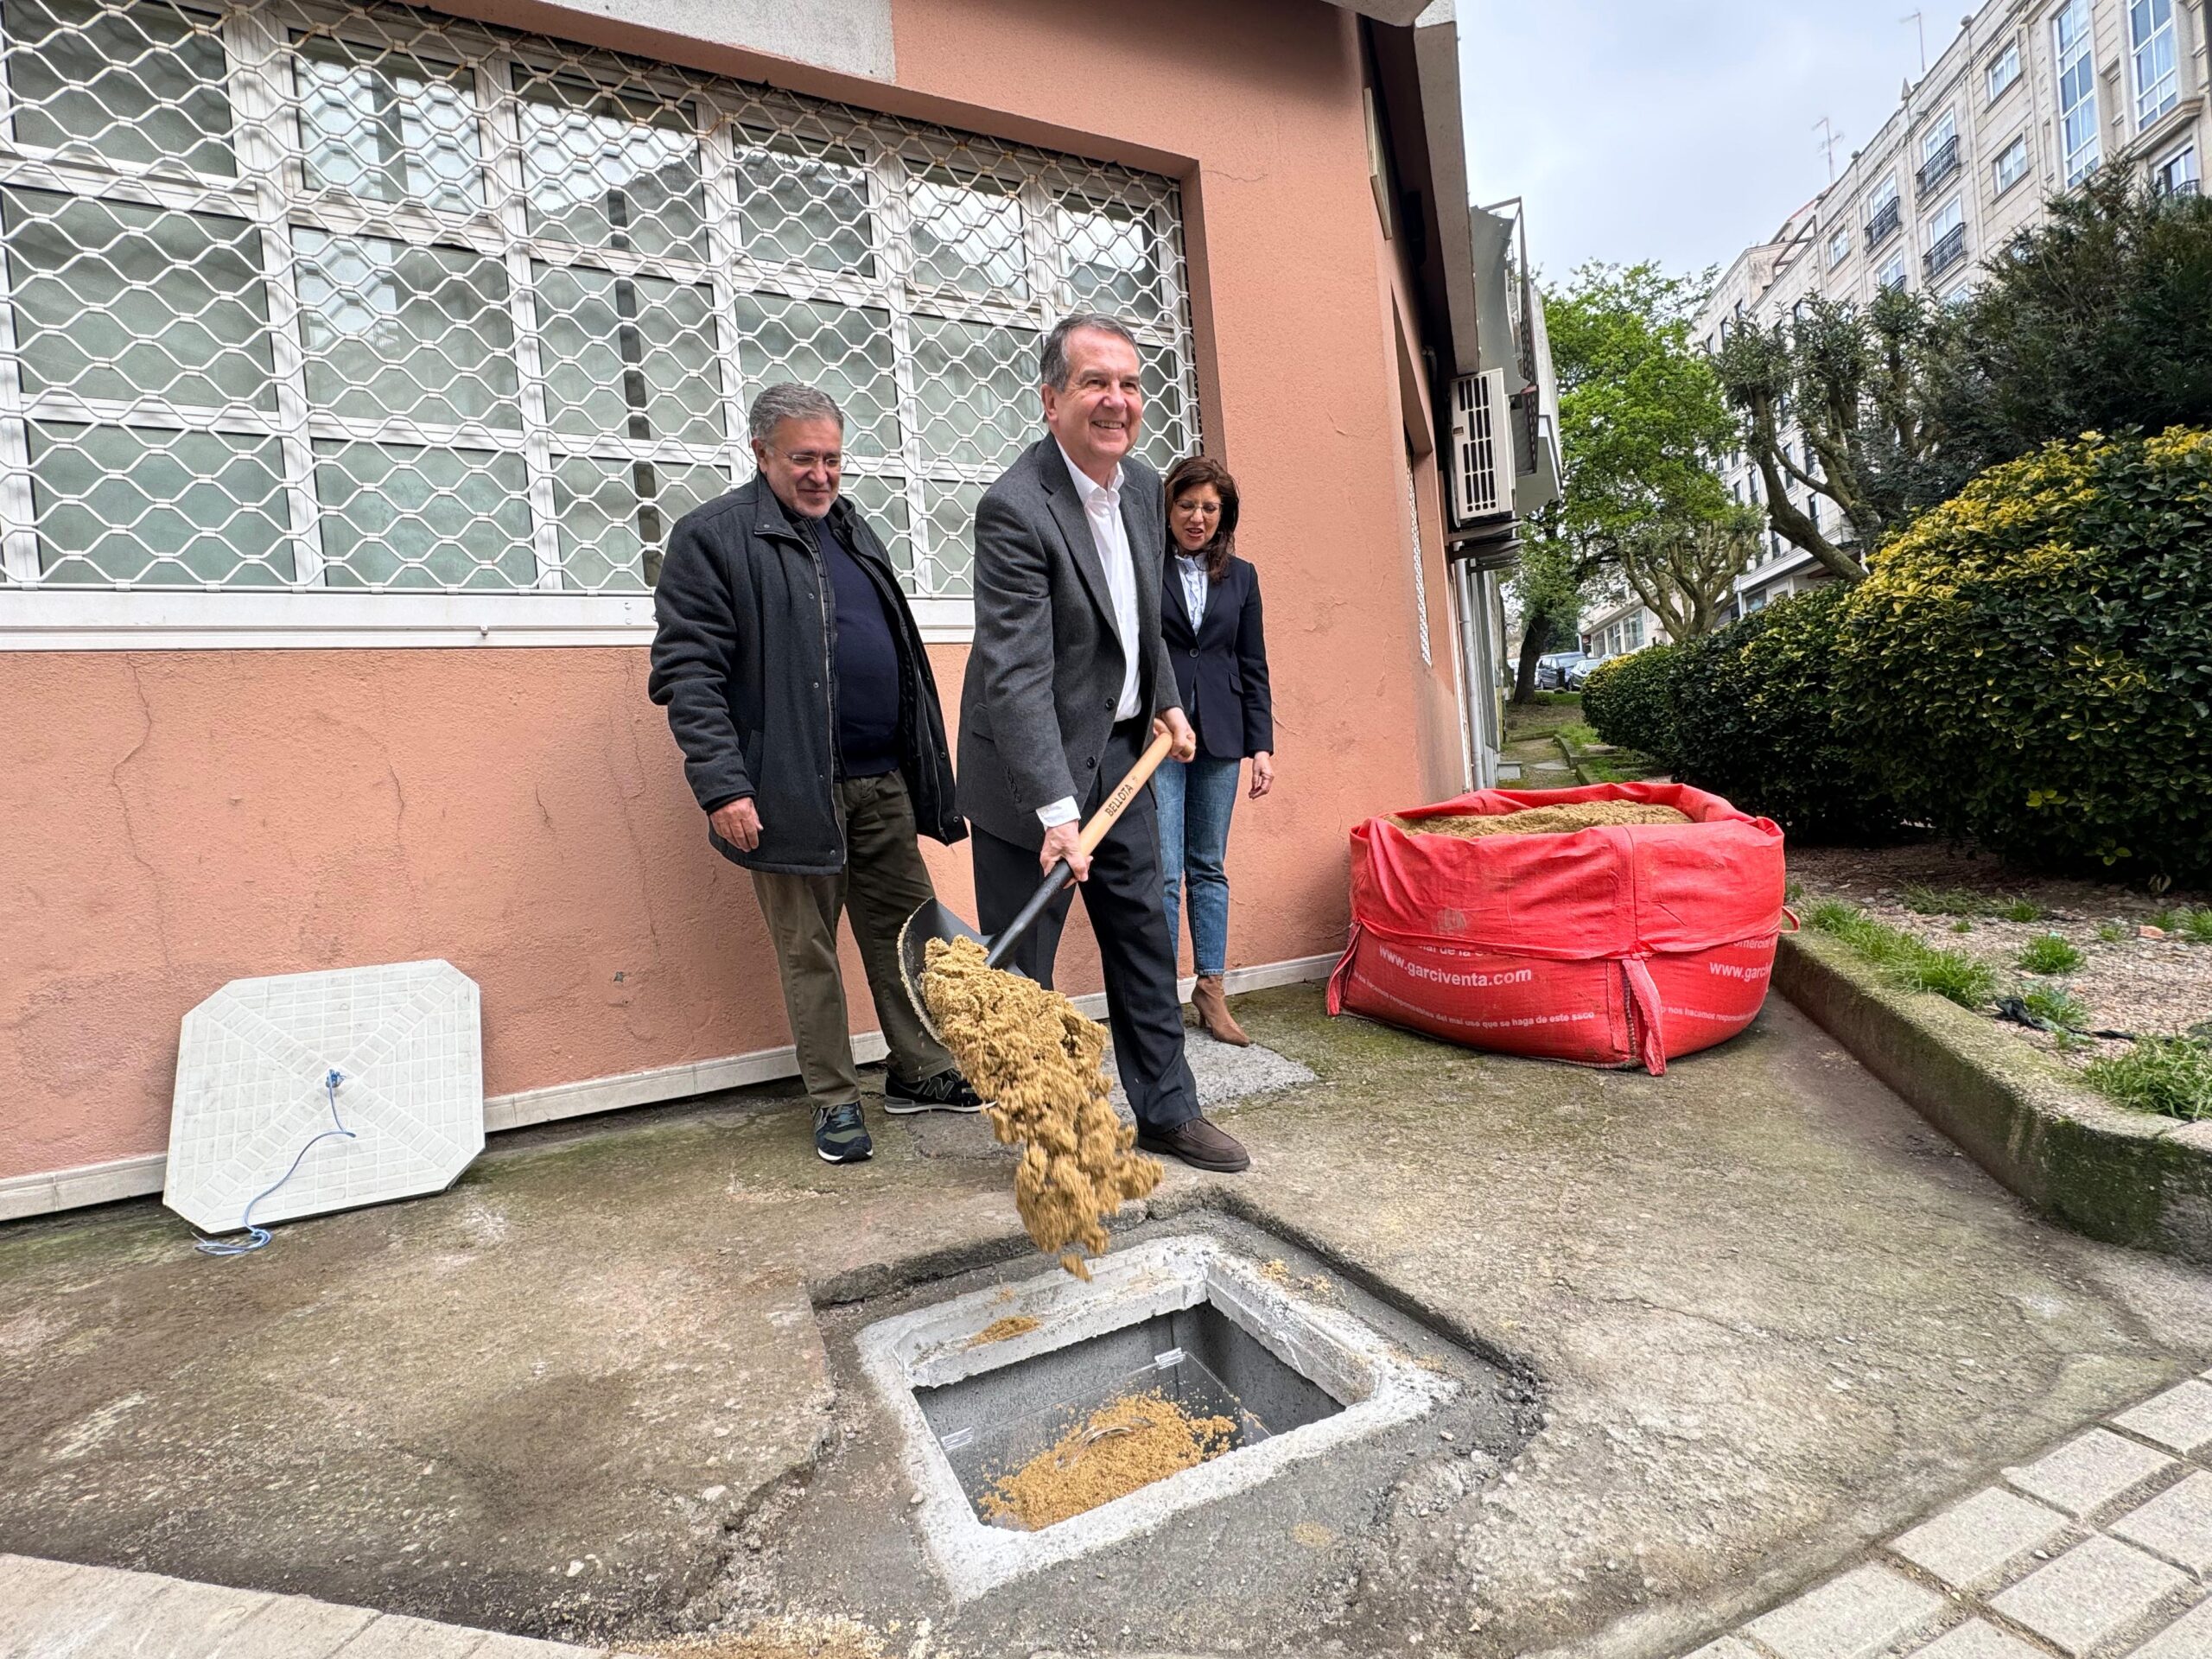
[2127, 1178]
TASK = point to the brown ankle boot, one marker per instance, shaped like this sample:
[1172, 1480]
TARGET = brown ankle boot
[1214, 1014]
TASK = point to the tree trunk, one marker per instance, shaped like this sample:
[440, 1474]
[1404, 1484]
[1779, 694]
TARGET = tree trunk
[1536, 629]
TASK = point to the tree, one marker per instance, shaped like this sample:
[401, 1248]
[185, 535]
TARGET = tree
[1854, 383]
[1642, 420]
[1549, 594]
[1687, 571]
[2097, 319]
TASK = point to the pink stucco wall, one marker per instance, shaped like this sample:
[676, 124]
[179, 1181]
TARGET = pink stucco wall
[173, 820]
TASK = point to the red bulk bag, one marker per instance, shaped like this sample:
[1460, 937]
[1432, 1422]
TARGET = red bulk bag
[1615, 945]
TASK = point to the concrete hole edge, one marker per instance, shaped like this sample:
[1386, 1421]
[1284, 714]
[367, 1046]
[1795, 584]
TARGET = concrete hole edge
[1376, 1383]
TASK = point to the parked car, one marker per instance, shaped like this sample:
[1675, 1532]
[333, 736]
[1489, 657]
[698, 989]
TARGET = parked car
[1552, 669]
[1579, 671]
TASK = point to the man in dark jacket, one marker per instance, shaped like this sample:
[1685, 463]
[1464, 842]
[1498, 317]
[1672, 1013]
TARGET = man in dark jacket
[797, 688]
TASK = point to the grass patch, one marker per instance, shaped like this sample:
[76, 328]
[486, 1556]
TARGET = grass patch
[1579, 734]
[2019, 910]
[2058, 1006]
[2171, 1075]
[2197, 926]
[1963, 925]
[2050, 953]
[2110, 933]
[1908, 962]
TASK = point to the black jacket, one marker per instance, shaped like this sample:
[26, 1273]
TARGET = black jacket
[1222, 670]
[742, 664]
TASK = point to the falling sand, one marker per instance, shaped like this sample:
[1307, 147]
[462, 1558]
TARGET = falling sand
[1562, 820]
[1015, 1324]
[1125, 1444]
[1031, 1053]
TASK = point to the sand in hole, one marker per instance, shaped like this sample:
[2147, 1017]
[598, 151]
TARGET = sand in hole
[1560, 820]
[1125, 1444]
[1035, 1057]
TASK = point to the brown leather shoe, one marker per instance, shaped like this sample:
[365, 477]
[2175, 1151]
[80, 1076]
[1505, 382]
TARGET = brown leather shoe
[1198, 1144]
[1213, 1013]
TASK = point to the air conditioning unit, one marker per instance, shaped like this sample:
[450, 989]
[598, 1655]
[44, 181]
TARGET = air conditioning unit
[1482, 448]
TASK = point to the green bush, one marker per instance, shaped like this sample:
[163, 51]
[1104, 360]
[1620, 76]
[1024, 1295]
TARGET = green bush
[1755, 718]
[1628, 702]
[2029, 664]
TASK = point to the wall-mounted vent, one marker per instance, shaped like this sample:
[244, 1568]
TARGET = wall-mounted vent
[1482, 448]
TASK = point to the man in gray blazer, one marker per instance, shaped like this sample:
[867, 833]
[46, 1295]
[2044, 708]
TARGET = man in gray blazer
[1067, 681]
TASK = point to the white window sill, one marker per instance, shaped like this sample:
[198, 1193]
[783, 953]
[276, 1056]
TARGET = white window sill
[189, 619]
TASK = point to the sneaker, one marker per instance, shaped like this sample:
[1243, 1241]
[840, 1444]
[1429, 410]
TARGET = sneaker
[948, 1091]
[840, 1136]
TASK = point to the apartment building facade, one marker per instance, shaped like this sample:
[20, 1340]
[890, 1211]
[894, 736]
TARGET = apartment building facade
[2026, 101]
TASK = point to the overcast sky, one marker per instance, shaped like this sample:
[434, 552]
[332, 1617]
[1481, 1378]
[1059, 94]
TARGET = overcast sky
[1680, 130]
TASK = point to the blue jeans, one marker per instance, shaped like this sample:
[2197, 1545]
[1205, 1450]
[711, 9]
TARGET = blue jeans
[1196, 798]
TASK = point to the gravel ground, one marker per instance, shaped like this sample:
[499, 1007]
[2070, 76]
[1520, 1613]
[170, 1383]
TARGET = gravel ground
[2134, 982]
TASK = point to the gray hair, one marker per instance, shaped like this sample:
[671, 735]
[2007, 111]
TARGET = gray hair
[789, 401]
[1052, 365]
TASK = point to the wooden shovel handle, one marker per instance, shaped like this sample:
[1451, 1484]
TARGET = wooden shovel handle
[1111, 809]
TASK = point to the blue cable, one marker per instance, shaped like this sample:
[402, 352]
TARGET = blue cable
[258, 1237]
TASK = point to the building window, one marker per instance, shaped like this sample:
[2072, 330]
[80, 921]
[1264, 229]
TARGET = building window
[2151, 42]
[1891, 275]
[2011, 163]
[1838, 246]
[1884, 212]
[2077, 92]
[2178, 175]
[1635, 640]
[2004, 70]
[304, 299]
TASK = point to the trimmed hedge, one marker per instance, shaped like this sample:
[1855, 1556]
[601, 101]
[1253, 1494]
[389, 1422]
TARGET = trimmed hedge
[2031, 664]
[1757, 719]
[1629, 700]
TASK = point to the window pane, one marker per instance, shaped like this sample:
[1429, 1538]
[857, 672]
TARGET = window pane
[1113, 260]
[139, 82]
[387, 126]
[844, 350]
[952, 538]
[614, 517]
[414, 334]
[612, 170]
[397, 514]
[164, 508]
[882, 502]
[967, 236]
[116, 300]
[977, 389]
[1165, 437]
[628, 356]
[805, 206]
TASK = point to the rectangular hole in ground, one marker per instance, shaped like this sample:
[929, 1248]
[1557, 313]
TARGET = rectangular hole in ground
[992, 1423]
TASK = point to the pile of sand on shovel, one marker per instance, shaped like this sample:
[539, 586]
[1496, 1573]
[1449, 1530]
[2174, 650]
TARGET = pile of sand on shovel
[1038, 1061]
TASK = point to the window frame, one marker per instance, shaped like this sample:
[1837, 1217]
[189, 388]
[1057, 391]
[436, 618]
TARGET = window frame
[2017, 142]
[2008, 60]
[2165, 87]
[2077, 161]
[270, 191]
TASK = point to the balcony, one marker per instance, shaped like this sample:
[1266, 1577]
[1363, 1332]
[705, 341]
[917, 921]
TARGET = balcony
[1939, 168]
[1946, 253]
[1884, 225]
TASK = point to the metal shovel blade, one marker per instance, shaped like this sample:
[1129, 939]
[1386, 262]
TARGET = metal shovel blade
[931, 921]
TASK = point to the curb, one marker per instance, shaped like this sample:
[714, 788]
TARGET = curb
[2127, 1178]
[1573, 761]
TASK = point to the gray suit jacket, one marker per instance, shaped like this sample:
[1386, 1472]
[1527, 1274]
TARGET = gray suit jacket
[1045, 669]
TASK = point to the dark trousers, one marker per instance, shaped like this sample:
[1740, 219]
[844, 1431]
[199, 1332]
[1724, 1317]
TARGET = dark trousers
[1122, 900]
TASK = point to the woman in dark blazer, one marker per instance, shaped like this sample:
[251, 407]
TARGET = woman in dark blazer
[1210, 615]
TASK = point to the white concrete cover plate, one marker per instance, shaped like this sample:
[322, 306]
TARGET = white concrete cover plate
[406, 1039]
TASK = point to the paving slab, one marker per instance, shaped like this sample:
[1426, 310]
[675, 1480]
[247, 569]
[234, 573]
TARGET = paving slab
[1854, 1617]
[2091, 1473]
[2177, 1524]
[2092, 1594]
[2179, 1419]
[1978, 1639]
[2187, 1637]
[1980, 1540]
[1765, 1318]
[293, 1627]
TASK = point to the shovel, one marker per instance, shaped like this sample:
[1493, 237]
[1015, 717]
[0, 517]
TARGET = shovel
[933, 921]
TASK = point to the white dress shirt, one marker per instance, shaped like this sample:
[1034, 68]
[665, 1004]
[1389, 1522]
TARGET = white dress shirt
[1109, 539]
[1193, 567]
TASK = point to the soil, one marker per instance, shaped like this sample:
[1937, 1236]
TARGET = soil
[1125, 1444]
[785, 1637]
[2129, 980]
[1017, 1325]
[1562, 820]
[1033, 1055]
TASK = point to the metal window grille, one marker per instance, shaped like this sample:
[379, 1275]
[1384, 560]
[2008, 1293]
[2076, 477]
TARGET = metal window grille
[307, 296]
